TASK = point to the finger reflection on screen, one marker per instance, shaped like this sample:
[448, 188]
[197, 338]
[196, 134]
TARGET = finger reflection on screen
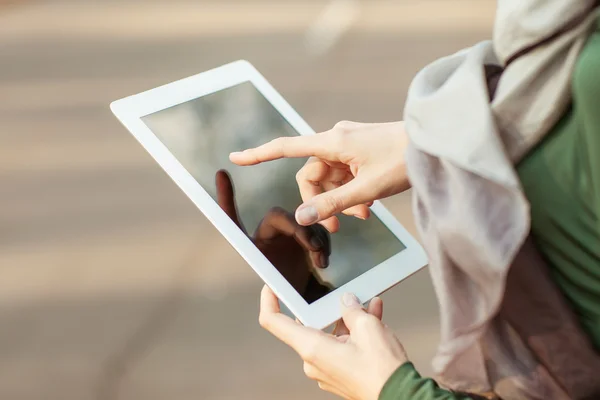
[202, 132]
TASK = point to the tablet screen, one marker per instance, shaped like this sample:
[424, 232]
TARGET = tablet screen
[201, 133]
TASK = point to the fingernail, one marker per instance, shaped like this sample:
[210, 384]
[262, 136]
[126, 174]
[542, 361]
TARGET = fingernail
[324, 261]
[235, 153]
[317, 242]
[307, 215]
[359, 217]
[350, 300]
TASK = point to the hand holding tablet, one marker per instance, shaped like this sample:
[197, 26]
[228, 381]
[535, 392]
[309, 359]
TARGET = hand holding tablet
[190, 127]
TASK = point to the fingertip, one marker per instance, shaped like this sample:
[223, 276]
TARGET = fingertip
[222, 176]
[375, 307]
[360, 211]
[268, 300]
[319, 259]
[352, 311]
[332, 224]
[324, 258]
[367, 212]
[266, 291]
[224, 188]
[315, 258]
[349, 300]
[306, 215]
[238, 158]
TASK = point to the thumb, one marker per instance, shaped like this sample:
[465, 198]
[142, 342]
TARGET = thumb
[352, 310]
[327, 204]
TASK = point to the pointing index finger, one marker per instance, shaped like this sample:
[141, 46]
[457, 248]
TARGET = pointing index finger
[282, 147]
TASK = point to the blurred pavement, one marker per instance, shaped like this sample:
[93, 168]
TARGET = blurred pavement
[112, 284]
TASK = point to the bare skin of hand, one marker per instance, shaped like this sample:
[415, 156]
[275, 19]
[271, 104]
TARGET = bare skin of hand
[293, 249]
[350, 166]
[355, 362]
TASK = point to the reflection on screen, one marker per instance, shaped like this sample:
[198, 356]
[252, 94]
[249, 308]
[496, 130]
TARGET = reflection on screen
[201, 133]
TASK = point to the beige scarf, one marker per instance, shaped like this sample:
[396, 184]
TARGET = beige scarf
[505, 327]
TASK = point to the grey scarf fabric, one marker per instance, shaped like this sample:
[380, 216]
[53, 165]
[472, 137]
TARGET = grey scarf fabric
[505, 326]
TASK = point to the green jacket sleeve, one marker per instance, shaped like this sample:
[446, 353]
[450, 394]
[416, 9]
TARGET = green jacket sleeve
[407, 384]
[586, 102]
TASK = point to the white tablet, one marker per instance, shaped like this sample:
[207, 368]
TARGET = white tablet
[191, 126]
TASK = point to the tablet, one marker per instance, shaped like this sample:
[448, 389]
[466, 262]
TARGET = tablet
[191, 126]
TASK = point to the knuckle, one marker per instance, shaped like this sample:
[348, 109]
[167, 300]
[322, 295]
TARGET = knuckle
[279, 144]
[309, 371]
[338, 140]
[342, 134]
[263, 321]
[310, 354]
[277, 141]
[333, 203]
[366, 322]
[344, 126]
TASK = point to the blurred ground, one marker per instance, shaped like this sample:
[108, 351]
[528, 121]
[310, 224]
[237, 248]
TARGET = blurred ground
[112, 285]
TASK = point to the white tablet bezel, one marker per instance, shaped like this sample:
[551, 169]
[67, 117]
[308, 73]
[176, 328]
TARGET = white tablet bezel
[320, 313]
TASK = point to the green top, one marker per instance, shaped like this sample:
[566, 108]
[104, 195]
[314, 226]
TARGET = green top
[561, 178]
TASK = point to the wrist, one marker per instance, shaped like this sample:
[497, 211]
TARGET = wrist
[387, 371]
[403, 372]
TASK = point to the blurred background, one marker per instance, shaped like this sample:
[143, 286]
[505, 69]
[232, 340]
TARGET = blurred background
[106, 288]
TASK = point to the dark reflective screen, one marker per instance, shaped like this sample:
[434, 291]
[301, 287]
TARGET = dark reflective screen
[201, 133]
